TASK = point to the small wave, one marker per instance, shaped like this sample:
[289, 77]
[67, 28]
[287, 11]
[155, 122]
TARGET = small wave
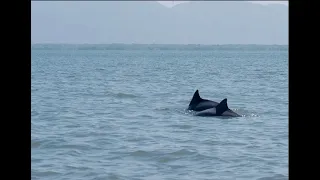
[45, 173]
[100, 69]
[141, 153]
[241, 112]
[275, 177]
[185, 154]
[34, 90]
[162, 109]
[122, 95]
[182, 126]
[189, 112]
[168, 157]
[35, 144]
[250, 115]
[98, 176]
[145, 116]
[163, 157]
[34, 113]
[203, 157]
[41, 143]
[114, 176]
[71, 76]
[75, 147]
[245, 113]
[182, 152]
[78, 167]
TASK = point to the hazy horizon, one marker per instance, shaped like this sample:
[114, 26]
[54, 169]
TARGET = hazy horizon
[174, 3]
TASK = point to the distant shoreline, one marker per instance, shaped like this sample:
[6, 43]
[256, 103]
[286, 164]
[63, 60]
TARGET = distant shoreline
[137, 44]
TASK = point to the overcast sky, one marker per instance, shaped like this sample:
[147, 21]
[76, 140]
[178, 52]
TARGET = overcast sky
[149, 22]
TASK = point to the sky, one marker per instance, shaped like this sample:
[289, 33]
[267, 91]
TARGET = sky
[173, 3]
[128, 22]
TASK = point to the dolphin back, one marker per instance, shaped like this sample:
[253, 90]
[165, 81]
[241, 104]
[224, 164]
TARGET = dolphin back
[195, 99]
[199, 104]
[221, 109]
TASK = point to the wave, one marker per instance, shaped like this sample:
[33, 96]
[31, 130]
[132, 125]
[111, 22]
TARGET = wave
[275, 177]
[121, 95]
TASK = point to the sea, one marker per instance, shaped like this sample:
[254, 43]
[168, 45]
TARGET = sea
[118, 112]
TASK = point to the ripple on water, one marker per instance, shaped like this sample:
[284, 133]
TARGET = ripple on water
[122, 95]
[181, 126]
[38, 174]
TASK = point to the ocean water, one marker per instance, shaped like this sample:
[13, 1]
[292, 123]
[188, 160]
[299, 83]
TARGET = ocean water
[119, 112]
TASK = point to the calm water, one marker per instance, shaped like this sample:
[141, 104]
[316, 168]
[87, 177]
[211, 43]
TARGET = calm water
[118, 112]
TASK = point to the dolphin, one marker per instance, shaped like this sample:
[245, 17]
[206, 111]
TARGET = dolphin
[221, 109]
[199, 104]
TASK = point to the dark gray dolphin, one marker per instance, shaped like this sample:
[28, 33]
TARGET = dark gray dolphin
[221, 109]
[199, 104]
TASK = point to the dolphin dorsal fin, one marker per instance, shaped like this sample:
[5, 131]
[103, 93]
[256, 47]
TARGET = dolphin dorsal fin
[196, 98]
[222, 107]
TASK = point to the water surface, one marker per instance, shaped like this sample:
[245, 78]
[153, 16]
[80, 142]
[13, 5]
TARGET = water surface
[118, 112]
